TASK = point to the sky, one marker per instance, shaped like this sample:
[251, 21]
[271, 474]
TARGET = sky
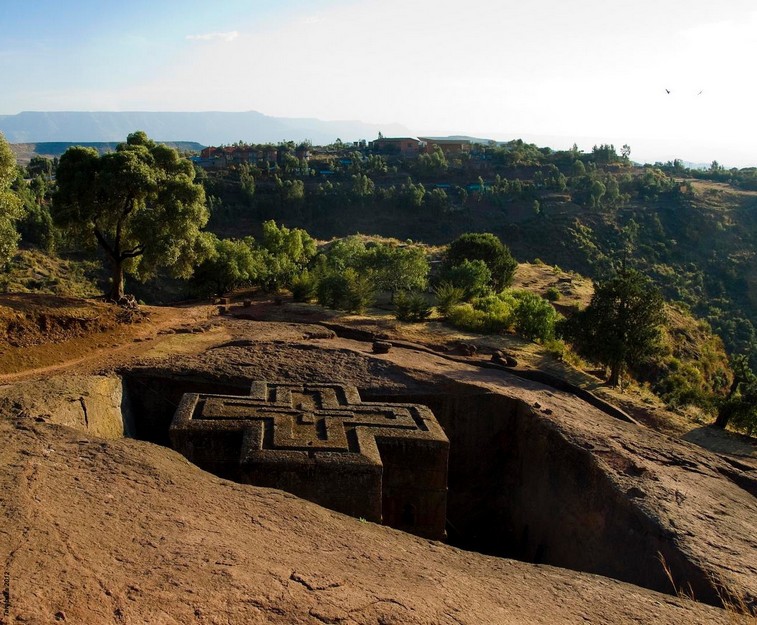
[553, 72]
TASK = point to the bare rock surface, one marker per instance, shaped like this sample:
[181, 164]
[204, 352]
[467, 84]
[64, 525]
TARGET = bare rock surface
[124, 531]
[93, 404]
[694, 499]
[692, 507]
[129, 532]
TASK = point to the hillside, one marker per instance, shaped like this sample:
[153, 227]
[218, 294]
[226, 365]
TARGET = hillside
[697, 238]
[597, 219]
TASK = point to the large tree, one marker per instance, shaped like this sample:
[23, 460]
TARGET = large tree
[140, 204]
[621, 326]
[485, 247]
[10, 203]
[393, 268]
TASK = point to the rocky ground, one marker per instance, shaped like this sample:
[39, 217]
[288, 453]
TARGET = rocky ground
[98, 528]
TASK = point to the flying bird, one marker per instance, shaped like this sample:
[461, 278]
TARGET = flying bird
[667, 91]
[701, 92]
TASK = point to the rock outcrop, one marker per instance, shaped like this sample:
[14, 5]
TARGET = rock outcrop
[128, 531]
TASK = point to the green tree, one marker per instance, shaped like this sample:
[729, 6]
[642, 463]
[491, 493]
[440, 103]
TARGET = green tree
[411, 307]
[433, 163]
[394, 268]
[411, 195]
[40, 166]
[579, 169]
[596, 193]
[247, 181]
[653, 182]
[286, 252]
[231, 264]
[534, 317]
[740, 406]
[10, 203]
[621, 326]
[472, 277]
[438, 201]
[485, 247]
[36, 224]
[362, 187]
[376, 164]
[346, 252]
[289, 192]
[605, 154]
[346, 290]
[612, 196]
[295, 243]
[141, 205]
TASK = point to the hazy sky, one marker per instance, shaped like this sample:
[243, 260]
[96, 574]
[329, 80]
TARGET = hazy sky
[552, 71]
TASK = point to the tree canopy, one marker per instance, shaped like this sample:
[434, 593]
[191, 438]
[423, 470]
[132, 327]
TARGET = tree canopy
[10, 203]
[395, 268]
[485, 247]
[232, 263]
[471, 276]
[621, 326]
[285, 252]
[140, 204]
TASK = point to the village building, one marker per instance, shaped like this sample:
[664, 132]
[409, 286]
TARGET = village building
[449, 147]
[400, 146]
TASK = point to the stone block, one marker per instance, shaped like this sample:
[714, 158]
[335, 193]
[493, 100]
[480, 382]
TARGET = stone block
[384, 462]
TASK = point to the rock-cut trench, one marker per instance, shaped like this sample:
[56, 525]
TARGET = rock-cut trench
[516, 487]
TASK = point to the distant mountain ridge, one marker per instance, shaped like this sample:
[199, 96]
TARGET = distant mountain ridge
[207, 128]
[24, 152]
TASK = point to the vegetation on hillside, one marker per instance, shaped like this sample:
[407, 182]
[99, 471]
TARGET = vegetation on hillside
[692, 232]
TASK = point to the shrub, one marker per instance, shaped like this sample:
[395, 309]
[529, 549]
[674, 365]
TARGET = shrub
[534, 318]
[499, 311]
[411, 307]
[556, 348]
[303, 287]
[528, 313]
[465, 317]
[681, 385]
[552, 294]
[491, 314]
[347, 290]
[447, 296]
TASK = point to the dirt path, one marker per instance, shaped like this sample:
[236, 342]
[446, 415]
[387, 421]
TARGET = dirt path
[107, 349]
